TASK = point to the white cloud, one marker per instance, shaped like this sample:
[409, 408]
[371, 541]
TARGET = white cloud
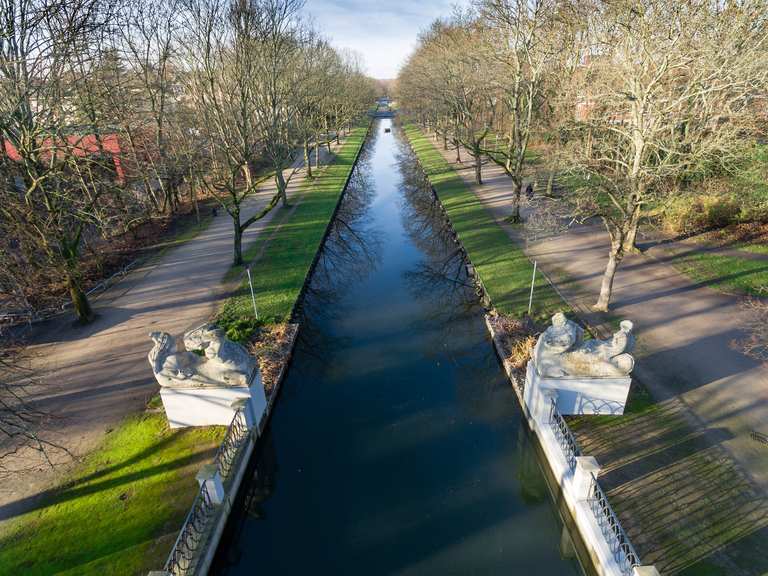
[384, 33]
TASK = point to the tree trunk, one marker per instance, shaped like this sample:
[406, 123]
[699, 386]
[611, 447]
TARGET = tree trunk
[458, 152]
[317, 153]
[307, 160]
[517, 191]
[193, 194]
[478, 166]
[281, 186]
[606, 288]
[445, 141]
[79, 299]
[238, 256]
[550, 183]
[633, 225]
[247, 175]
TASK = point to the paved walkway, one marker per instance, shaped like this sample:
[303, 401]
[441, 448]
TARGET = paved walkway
[686, 331]
[94, 376]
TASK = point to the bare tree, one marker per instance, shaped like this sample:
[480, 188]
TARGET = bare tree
[55, 188]
[21, 423]
[526, 40]
[278, 38]
[667, 87]
[220, 52]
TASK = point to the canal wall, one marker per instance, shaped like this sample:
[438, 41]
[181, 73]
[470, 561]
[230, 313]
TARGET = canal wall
[577, 492]
[197, 542]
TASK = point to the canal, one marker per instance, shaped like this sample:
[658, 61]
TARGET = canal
[396, 446]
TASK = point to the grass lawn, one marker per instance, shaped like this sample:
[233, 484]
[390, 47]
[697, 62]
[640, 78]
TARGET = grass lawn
[725, 272]
[502, 266]
[280, 271]
[121, 509]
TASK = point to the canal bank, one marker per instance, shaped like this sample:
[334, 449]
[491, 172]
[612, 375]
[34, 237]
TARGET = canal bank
[573, 476]
[397, 445]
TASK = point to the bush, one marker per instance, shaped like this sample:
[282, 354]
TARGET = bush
[690, 214]
[754, 213]
[239, 329]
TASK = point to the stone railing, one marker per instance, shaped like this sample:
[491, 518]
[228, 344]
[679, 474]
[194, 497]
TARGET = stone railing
[231, 447]
[583, 479]
[622, 548]
[599, 528]
[564, 436]
[185, 554]
[193, 550]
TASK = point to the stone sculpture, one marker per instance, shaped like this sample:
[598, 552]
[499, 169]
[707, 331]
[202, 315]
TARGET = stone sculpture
[561, 352]
[219, 361]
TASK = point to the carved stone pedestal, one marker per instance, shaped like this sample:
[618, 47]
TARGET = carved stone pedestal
[578, 395]
[205, 406]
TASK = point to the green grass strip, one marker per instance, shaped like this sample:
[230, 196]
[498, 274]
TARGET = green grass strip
[502, 266]
[725, 272]
[121, 510]
[279, 274]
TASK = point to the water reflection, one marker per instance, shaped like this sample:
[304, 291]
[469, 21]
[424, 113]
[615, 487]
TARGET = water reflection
[350, 253]
[394, 447]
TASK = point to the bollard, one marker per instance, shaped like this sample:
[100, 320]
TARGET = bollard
[543, 405]
[246, 406]
[210, 477]
[645, 571]
[586, 468]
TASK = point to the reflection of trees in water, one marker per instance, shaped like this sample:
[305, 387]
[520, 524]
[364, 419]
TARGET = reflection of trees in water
[258, 484]
[350, 253]
[533, 486]
[440, 281]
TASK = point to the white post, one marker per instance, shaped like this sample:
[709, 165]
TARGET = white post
[533, 281]
[586, 468]
[253, 296]
[543, 399]
[245, 405]
[645, 571]
[210, 477]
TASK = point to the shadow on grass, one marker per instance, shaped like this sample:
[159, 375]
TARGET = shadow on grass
[686, 506]
[132, 497]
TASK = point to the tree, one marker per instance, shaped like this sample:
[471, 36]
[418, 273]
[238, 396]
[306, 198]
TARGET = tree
[525, 40]
[445, 84]
[273, 29]
[668, 88]
[220, 51]
[56, 188]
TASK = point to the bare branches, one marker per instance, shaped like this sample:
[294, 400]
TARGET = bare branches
[20, 421]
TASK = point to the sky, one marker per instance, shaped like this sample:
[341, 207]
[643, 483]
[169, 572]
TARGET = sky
[383, 32]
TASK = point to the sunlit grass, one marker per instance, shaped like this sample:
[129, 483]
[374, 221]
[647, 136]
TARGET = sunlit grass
[502, 266]
[122, 508]
[725, 272]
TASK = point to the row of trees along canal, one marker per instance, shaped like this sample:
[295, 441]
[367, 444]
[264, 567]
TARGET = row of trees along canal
[627, 101]
[116, 112]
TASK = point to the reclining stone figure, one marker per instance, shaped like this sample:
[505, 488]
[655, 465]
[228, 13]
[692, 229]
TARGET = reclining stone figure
[561, 352]
[224, 363]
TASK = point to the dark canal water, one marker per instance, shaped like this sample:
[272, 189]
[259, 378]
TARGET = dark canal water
[396, 446]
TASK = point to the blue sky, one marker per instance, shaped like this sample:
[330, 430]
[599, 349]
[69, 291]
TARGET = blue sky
[383, 32]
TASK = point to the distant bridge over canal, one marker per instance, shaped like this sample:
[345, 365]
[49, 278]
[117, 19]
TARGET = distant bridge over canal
[383, 109]
[382, 113]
